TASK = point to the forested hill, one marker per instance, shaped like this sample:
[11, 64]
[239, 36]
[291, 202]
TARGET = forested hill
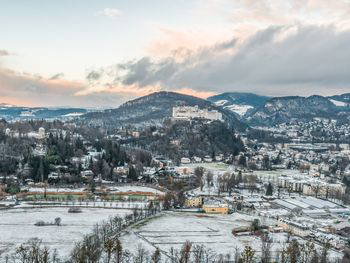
[284, 109]
[153, 109]
[188, 139]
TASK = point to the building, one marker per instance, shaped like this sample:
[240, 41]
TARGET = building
[185, 160]
[295, 228]
[188, 112]
[41, 133]
[215, 206]
[194, 201]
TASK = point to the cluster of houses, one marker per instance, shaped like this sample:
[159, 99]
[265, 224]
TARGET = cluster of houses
[320, 129]
[40, 134]
[206, 159]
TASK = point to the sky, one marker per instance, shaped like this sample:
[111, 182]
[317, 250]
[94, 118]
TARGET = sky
[101, 53]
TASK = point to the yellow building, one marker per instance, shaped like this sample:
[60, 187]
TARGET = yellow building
[194, 202]
[216, 208]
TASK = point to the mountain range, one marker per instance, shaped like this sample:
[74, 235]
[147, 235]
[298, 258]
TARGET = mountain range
[262, 110]
[13, 112]
[239, 110]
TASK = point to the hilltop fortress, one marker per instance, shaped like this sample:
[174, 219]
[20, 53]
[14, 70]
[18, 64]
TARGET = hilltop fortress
[189, 112]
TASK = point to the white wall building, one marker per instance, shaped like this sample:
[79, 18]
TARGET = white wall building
[188, 112]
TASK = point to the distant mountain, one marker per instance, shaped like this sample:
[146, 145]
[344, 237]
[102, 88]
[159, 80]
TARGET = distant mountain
[155, 108]
[12, 112]
[345, 98]
[239, 103]
[284, 109]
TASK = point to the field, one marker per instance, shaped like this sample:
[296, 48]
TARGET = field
[214, 166]
[173, 229]
[17, 226]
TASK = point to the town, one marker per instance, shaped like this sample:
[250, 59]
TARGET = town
[275, 191]
[200, 131]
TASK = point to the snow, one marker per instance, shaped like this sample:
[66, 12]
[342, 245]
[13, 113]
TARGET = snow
[74, 114]
[55, 190]
[297, 203]
[5, 106]
[318, 203]
[17, 226]
[339, 103]
[116, 189]
[213, 166]
[133, 188]
[239, 109]
[285, 204]
[173, 229]
[221, 102]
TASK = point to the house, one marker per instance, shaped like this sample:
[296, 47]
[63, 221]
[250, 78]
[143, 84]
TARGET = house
[208, 159]
[295, 228]
[185, 160]
[215, 206]
[86, 173]
[196, 201]
[197, 159]
[135, 134]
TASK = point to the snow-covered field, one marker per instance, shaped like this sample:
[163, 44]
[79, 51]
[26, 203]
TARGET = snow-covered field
[17, 226]
[134, 188]
[214, 166]
[273, 175]
[338, 103]
[54, 190]
[239, 109]
[116, 189]
[173, 229]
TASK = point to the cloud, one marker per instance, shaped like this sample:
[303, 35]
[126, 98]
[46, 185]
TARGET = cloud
[57, 76]
[279, 47]
[21, 88]
[279, 60]
[110, 12]
[244, 18]
[93, 75]
[4, 53]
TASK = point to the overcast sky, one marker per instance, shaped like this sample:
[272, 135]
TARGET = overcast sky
[100, 53]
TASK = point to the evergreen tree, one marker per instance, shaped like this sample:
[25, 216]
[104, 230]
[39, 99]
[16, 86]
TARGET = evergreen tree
[132, 175]
[269, 190]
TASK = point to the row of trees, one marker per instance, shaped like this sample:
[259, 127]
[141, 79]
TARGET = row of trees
[104, 245]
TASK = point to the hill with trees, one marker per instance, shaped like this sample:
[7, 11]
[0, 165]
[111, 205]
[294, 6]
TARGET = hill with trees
[190, 138]
[153, 109]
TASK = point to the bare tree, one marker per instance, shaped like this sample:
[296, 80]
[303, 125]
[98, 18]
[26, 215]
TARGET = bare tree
[141, 254]
[156, 257]
[265, 248]
[185, 252]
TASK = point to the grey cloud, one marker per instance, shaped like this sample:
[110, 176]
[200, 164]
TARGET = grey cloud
[93, 75]
[28, 89]
[312, 60]
[145, 72]
[57, 76]
[22, 89]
